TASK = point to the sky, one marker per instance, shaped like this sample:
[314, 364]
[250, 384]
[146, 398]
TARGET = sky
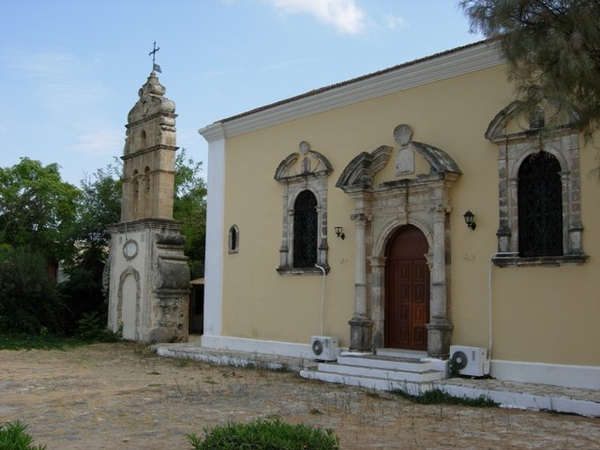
[70, 70]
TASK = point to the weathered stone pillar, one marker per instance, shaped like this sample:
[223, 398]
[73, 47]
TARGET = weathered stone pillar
[439, 328]
[377, 299]
[360, 324]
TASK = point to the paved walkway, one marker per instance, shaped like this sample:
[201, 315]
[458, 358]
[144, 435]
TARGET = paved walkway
[585, 402]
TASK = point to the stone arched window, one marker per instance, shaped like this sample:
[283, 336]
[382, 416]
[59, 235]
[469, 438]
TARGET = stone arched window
[234, 239]
[304, 230]
[135, 184]
[540, 206]
[538, 185]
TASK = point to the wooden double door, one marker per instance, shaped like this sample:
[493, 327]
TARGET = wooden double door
[406, 290]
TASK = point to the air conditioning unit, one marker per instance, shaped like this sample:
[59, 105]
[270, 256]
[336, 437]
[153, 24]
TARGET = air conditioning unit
[324, 348]
[470, 361]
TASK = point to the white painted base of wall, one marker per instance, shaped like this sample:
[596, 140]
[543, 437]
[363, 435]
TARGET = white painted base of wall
[584, 377]
[570, 376]
[225, 343]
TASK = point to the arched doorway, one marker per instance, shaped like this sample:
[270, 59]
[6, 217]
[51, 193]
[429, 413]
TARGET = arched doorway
[406, 290]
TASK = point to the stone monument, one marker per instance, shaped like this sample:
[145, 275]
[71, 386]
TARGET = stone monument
[149, 275]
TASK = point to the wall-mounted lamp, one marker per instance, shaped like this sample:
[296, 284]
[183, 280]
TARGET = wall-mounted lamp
[470, 220]
[339, 232]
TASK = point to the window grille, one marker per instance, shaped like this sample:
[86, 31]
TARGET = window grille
[540, 206]
[305, 230]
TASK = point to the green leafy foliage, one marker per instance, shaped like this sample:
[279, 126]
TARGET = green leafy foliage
[439, 397]
[13, 436]
[99, 205]
[44, 220]
[37, 209]
[189, 207]
[553, 44]
[29, 300]
[51, 342]
[92, 328]
[265, 435]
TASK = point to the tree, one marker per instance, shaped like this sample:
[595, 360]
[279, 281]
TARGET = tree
[29, 300]
[553, 44]
[189, 207]
[37, 209]
[99, 205]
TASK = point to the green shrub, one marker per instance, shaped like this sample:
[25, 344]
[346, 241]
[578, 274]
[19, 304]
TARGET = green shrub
[439, 397]
[92, 328]
[265, 435]
[29, 301]
[13, 437]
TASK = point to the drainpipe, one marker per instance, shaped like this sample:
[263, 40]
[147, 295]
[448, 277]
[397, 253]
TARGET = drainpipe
[322, 297]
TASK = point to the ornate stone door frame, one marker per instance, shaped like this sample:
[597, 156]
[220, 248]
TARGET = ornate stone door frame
[379, 211]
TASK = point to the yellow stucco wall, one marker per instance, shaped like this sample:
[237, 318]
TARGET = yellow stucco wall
[542, 314]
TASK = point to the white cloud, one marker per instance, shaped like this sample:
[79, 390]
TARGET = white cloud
[394, 22]
[100, 142]
[42, 65]
[344, 15]
[59, 83]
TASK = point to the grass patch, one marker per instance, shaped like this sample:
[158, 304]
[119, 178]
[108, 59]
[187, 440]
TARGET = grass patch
[14, 437]
[265, 435]
[49, 342]
[439, 397]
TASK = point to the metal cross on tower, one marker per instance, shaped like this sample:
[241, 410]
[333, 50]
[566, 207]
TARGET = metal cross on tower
[155, 67]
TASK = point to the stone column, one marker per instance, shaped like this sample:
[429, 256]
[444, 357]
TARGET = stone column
[439, 328]
[360, 324]
[377, 299]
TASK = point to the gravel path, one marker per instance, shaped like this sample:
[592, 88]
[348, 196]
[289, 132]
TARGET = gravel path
[121, 396]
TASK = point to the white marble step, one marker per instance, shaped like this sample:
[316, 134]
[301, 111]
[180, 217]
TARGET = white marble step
[380, 384]
[387, 363]
[419, 373]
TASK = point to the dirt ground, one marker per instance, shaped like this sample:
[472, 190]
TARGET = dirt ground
[121, 396]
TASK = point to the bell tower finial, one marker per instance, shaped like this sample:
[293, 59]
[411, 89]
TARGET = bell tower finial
[155, 67]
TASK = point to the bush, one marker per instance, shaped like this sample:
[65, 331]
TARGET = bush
[439, 397]
[13, 437]
[29, 301]
[265, 435]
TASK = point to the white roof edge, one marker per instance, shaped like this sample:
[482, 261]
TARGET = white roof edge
[213, 132]
[436, 68]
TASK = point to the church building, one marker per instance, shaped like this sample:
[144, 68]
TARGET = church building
[419, 211]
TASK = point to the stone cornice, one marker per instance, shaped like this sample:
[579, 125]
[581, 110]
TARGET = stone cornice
[213, 132]
[145, 224]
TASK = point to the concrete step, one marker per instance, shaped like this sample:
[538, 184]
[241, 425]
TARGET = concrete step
[397, 353]
[380, 384]
[418, 373]
[386, 363]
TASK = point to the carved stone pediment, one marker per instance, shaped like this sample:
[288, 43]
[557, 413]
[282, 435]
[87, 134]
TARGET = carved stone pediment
[360, 172]
[521, 119]
[301, 164]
